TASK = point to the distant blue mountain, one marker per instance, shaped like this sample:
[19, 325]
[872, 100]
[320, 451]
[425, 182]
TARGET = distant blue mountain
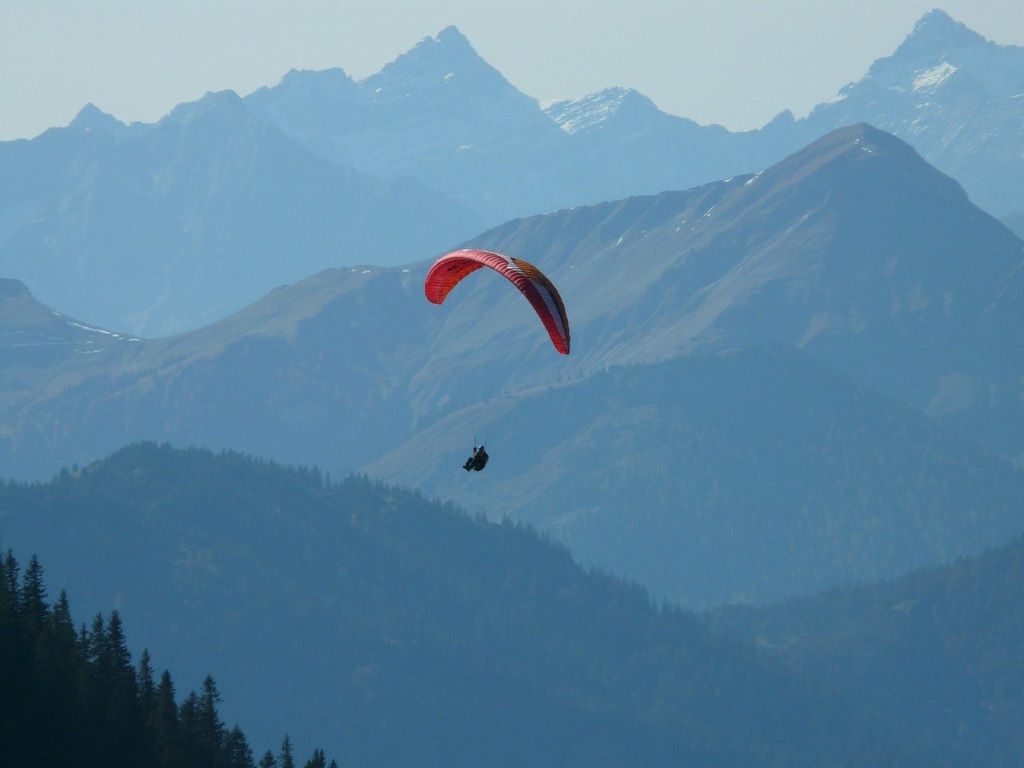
[954, 96]
[440, 114]
[443, 115]
[935, 653]
[894, 300]
[395, 631]
[749, 475]
[154, 229]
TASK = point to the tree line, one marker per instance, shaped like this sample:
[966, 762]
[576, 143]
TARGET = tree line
[72, 697]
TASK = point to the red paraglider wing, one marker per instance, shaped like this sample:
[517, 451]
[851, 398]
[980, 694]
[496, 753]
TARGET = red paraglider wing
[451, 268]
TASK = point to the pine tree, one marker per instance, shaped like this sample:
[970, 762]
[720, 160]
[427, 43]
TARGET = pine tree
[94, 675]
[318, 760]
[189, 728]
[9, 576]
[268, 760]
[63, 625]
[236, 750]
[287, 761]
[210, 733]
[165, 725]
[147, 688]
[10, 668]
[123, 684]
[56, 681]
[96, 643]
[33, 599]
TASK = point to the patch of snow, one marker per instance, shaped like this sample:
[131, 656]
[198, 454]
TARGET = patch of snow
[752, 179]
[407, 270]
[576, 115]
[930, 78]
[366, 271]
[90, 328]
[619, 241]
[449, 76]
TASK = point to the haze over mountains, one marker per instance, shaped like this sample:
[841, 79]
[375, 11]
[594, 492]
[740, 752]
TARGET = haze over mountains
[797, 365]
[853, 251]
[394, 631]
[936, 652]
[421, 155]
[956, 97]
[161, 227]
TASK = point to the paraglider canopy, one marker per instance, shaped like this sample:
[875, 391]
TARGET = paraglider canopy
[453, 267]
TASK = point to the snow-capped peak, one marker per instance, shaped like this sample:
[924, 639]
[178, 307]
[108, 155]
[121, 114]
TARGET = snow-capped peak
[930, 78]
[573, 115]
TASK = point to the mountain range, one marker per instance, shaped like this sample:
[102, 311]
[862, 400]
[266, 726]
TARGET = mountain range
[441, 114]
[956, 97]
[796, 377]
[934, 653]
[391, 630]
[396, 630]
[152, 229]
[852, 275]
[157, 229]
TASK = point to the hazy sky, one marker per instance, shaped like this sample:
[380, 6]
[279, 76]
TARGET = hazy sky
[734, 62]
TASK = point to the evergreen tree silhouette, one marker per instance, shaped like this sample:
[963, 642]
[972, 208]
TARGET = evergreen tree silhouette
[287, 761]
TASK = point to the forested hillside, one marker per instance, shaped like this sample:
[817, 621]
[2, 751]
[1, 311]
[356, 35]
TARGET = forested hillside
[398, 631]
[73, 697]
[747, 475]
[936, 653]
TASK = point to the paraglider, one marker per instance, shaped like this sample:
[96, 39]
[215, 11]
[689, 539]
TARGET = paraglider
[452, 268]
[477, 461]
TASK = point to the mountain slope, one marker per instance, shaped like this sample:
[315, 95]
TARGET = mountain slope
[443, 115]
[853, 249]
[313, 372]
[622, 144]
[405, 632]
[161, 228]
[438, 113]
[956, 97]
[749, 475]
[936, 653]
